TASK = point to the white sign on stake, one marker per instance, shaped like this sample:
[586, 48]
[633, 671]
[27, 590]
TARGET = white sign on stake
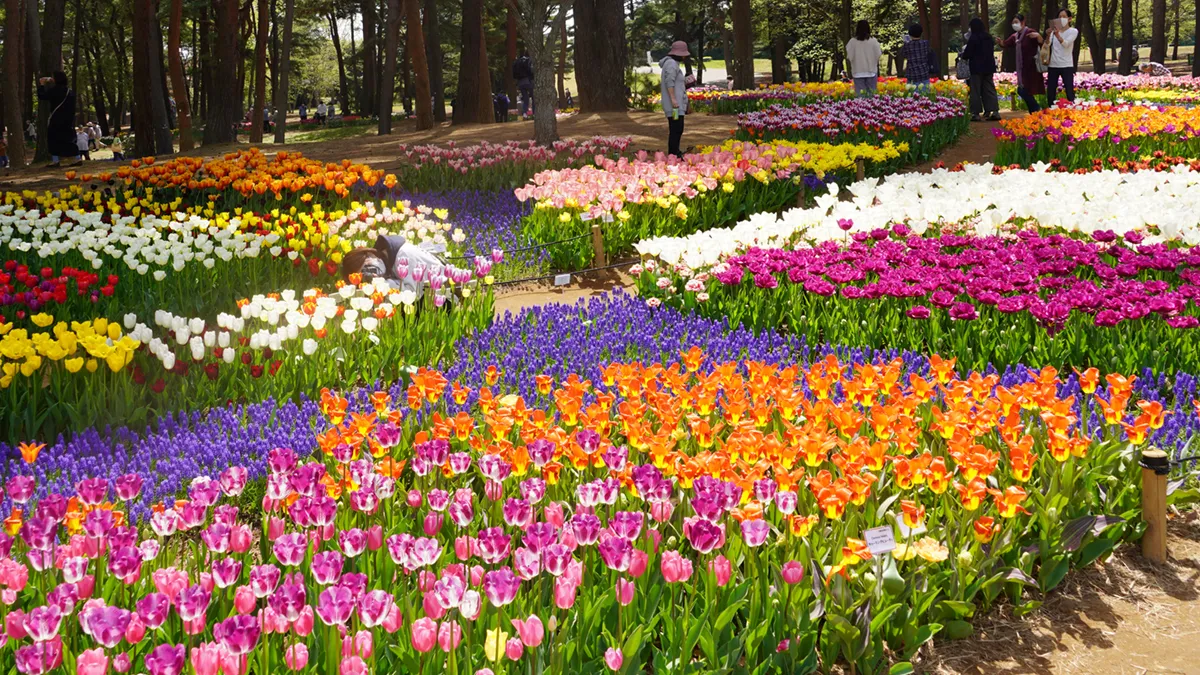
[562, 279]
[880, 540]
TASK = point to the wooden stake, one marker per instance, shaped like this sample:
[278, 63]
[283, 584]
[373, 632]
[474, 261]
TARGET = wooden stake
[800, 195]
[860, 168]
[598, 246]
[1155, 468]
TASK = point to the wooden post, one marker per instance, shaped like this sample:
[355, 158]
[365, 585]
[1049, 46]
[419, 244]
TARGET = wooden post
[1155, 468]
[598, 246]
[800, 195]
[860, 168]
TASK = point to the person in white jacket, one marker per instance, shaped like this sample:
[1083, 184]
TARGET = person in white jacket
[862, 53]
[673, 85]
[1062, 36]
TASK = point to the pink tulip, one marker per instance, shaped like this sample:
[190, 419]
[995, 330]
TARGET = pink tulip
[625, 590]
[206, 658]
[240, 538]
[661, 511]
[424, 634]
[433, 608]
[275, 528]
[613, 658]
[91, 662]
[136, 630]
[244, 600]
[375, 537]
[675, 568]
[792, 572]
[531, 631]
[553, 513]
[122, 663]
[352, 665]
[296, 656]
[361, 644]
[721, 569]
[304, 624]
[449, 635]
[86, 585]
[462, 548]
[564, 592]
[414, 498]
[195, 626]
[14, 625]
[514, 649]
[393, 620]
[170, 581]
[637, 566]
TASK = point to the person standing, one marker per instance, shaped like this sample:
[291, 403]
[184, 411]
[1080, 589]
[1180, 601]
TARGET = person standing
[523, 74]
[303, 110]
[863, 52]
[60, 128]
[322, 112]
[1029, 78]
[1062, 36]
[919, 59]
[82, 142]
[980, 55]
[674, 99]
[3, 151]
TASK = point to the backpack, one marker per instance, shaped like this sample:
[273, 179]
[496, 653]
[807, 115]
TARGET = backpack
[962, 69]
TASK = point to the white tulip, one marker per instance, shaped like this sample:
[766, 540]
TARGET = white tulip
[309, 346]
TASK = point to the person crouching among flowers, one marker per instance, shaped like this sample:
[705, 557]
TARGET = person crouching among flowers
[403, 264]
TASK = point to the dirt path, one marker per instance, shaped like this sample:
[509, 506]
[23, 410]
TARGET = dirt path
[1124, 616]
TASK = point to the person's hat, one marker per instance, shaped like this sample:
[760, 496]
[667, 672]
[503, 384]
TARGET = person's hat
[679, 48]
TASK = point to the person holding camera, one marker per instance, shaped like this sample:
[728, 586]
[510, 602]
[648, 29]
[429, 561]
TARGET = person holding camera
[60, 129]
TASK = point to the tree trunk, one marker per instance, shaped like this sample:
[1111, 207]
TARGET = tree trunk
[98, 94]
[183, 112]
[419, 66]
[466, 96]
[743, 45]
[779, 60]
[845, 30]
[1087, 28]
[283, 91]
[1035, 16]
[983, 14]
[935, 35]
[1175, 42]
[205, 64]
[510, 53]
[370, 78]
[485, 112]
[48, 52]
[387, 89]
[433, 55]
[14, 20]
[1125, 64]
[343, 81]
[1196, 56]
[1008, 58]
[1158, 31]
[260, 73]
[533, 17]
[600, 43]
[562, 69]
[223, 95]
[80, 113]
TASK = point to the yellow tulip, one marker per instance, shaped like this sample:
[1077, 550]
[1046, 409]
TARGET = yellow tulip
[42, 319]
[92, 365]
[74, 365]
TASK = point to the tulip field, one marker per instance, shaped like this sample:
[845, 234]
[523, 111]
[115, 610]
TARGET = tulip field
[836, 419]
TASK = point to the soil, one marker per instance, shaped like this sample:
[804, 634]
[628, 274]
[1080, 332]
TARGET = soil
[1126, 615]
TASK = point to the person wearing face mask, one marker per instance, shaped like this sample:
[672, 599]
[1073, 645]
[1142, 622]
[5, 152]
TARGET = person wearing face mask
[1029, 80]
[1062, 36]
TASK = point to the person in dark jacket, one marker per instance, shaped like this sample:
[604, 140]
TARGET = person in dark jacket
[1027, 42]
[60, 130]
[981, 57]
[523, 74]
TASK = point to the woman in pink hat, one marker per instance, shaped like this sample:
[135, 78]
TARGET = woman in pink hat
[674, 94]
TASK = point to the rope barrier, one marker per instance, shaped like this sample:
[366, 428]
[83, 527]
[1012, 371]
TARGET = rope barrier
[523, 248]
[544, 277]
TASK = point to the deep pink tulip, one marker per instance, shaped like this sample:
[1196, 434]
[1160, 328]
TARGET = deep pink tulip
[514, 649]
[303, 625]
[335, 605]
[564, 592]
[792, 572]
[393, 620]
[166, 659]
[238, 634]
[721, 569]
[14, 625]
[433, 608]
[374, 607]
[375, 537]
[361, 644]
[637, 565]
[243, 600]
[42, 623]
[40, 658]
[122, 663]
[136, 630]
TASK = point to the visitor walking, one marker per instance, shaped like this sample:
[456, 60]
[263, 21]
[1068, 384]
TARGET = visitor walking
[303, 113]
[60, 127]
[980, 56]
[1029, 78]
[863, 53]
[31, 132]
[1062, 36]
[674, 94]
[523, 74]
[920, 63]
[82, 142]
[322, 113]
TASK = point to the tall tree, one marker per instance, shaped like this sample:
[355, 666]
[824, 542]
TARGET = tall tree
[260, 73]
[418, 66]
[151, 128]
[743, 45]
[1196, 57]
[1158, 31]
[600, 43]
[1095, 23]
[433, 54]
[48, 54]
[510, 53]
[283, 91]
[1175, 42]
[935, 34]
[533, 18]
[370, 78]
[179, 88]
[14, 44]
[343, 81]
[1128, 57]
[387, 89]
[224, 97]
[470, 103]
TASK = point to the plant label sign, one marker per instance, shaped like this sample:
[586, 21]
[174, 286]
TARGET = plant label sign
[880, 540]
[562, 279]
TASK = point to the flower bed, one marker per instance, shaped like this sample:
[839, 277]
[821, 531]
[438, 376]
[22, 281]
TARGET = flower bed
[497, 166]
[925, 123]
[641, 197]
[1114, 87]
[733, 532]
[999, 300]
[720, 101]
[1084, 135]
[1161, 205]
